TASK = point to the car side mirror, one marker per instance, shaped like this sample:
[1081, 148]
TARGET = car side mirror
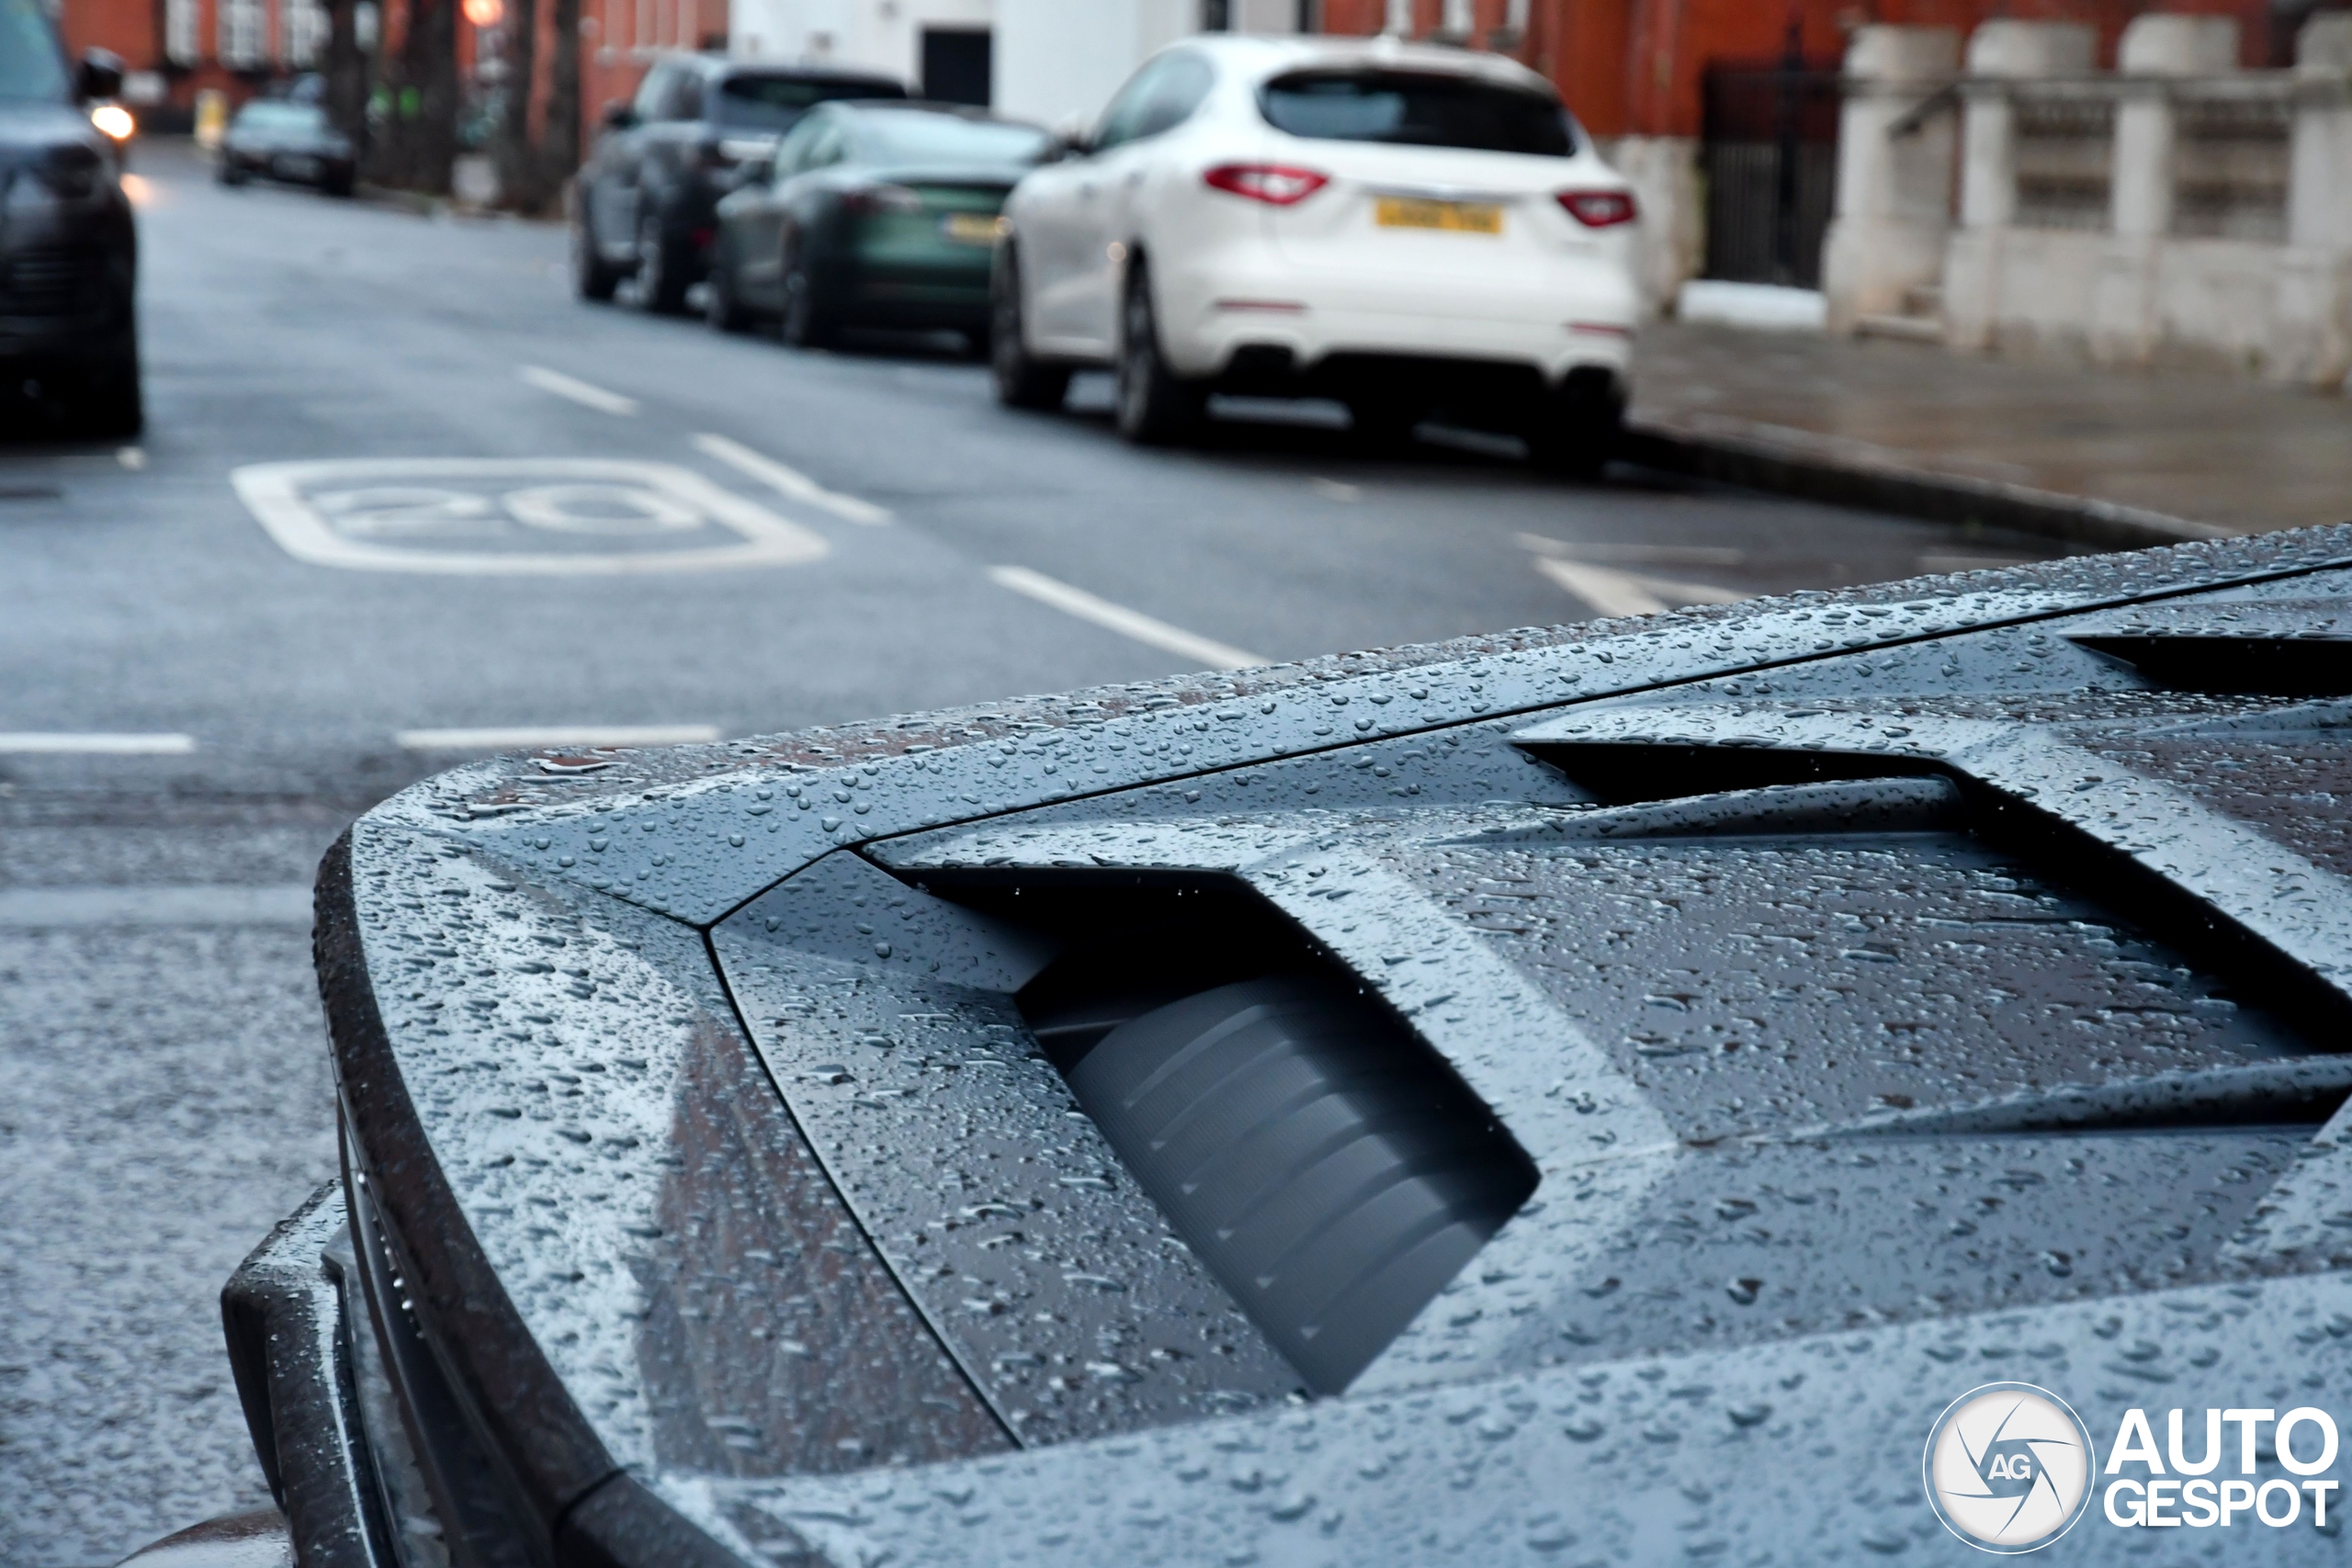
[1062, 149]
[618, 115]
[101, 74]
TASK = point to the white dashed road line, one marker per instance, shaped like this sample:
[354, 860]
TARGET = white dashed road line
[1127, 623]
[578, 391]
[36, 742]
[1626, 593]
[790, 481]
[517, 738]
[55, 909]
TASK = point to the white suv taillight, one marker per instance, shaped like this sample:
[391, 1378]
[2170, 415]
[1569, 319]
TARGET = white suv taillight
[1274, 183]
[1599, 208]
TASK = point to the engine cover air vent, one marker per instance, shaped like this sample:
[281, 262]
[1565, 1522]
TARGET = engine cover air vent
[1315, 1156]
[2280, 666]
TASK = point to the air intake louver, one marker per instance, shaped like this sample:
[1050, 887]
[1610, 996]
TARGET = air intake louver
[1314, 1155]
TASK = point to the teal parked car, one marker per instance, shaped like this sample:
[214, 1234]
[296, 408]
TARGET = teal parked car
[881, 214]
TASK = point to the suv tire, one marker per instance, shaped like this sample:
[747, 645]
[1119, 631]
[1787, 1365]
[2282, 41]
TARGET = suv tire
[107, 404]
[1022, 380]
[809, 318]
[1155, 407]
[592, 277]
[719, 307]
[1579, 426]
[661, 281]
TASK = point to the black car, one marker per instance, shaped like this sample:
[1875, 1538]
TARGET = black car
[280, 140]
[871, 214]
[645, 205]
[69, 251]
[1593, 1094]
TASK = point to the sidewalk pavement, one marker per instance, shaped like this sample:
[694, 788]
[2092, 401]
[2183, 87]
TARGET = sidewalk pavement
[2110, 457]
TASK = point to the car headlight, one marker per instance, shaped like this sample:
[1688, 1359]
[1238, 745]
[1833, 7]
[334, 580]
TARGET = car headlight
[114, 122]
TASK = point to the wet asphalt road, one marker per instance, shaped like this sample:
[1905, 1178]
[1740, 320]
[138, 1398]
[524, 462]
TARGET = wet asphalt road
[164, 1095]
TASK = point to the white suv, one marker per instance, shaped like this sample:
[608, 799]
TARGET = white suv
[1408, 229]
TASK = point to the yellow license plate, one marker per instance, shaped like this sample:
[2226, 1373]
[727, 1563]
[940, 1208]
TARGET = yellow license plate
[972, 227]
[1453, 217]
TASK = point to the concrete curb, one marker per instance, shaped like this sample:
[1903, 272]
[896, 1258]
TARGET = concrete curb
[1847, 472]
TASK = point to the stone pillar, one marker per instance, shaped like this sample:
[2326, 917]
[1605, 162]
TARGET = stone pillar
[2311, 316]
[1999, 53]
[1894, 192]
[2156, 50]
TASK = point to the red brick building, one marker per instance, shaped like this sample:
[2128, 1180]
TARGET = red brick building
[1634, 67]
[242, 46]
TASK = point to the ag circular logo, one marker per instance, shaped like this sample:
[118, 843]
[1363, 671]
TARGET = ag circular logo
[2008, 1467]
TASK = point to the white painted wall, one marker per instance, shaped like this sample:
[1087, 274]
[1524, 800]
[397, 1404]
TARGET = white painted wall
[1055, 59]
[873, 35]
[1062, 60]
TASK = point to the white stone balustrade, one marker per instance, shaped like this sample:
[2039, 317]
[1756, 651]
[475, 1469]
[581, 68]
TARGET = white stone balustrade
[2175, 209]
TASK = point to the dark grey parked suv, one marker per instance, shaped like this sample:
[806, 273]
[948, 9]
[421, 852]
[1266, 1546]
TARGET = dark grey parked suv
[69, 252]
[646, 204]
[1605, 1094]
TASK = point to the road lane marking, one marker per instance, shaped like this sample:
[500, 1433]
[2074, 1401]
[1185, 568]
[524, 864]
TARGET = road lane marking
[497, 516]
[1624, 593]
[1127, 623]
[790, 481]
[59, 908]
[578, 391]
[66, 743]
[1635, 555]
[515, 738]
[133, 458]
[1336, 490]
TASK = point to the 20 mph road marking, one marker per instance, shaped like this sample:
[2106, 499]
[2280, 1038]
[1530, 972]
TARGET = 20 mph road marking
[518, 738]
[1127, 623]
[578, 391]
[64, 744]
[789, 480]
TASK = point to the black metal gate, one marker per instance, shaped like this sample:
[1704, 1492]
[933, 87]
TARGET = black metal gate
[1770, 162]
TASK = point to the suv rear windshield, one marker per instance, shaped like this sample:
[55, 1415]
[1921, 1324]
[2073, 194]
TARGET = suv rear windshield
[1416, 110]
[31, 66]
[773, 103]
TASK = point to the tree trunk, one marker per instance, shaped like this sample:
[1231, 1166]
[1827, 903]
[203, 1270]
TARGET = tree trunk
[420, 141]
[517, 153]
[347, 75]
[559, 133]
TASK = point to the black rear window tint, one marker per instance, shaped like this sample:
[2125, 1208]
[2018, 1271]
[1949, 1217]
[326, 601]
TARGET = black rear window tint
[773, 103]
[1418, 110]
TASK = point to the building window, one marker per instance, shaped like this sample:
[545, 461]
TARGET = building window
[244, 29]
[180, 46]
[301, 32]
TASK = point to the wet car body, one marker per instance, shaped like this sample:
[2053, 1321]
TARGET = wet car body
[878, 215]
[69, 248]
[293, 142]
[1766, 1023]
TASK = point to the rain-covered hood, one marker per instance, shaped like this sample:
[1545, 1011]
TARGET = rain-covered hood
[1858, 999]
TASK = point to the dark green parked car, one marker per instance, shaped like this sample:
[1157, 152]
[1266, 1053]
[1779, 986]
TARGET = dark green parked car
[870, 214]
